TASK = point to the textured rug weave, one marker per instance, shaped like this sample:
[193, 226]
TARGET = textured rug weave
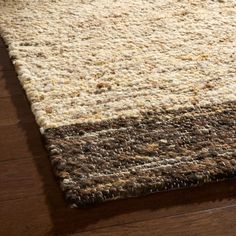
[131, 96]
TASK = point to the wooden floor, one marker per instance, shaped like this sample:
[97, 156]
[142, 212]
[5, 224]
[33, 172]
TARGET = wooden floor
[31, 202]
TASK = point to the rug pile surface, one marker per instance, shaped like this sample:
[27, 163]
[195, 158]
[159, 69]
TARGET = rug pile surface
[131, 96]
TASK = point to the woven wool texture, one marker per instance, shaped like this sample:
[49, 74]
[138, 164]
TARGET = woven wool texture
[131, 96]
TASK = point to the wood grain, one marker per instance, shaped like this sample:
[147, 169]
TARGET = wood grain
[2, 43]
[215, 222]
[31, 202]
[5, 62]
[9, 85]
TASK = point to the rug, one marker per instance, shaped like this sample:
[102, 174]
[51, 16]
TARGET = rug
[131, 96]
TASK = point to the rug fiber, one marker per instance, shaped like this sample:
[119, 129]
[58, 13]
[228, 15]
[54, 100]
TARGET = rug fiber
[132, 96]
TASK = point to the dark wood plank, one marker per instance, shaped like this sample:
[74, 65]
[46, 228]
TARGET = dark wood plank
[20, 179]
[65, 220]
[2, 44]
[9, 84]
[19, 217]
[14, 110]
[19, 141]
[5, 62]
[216, 222]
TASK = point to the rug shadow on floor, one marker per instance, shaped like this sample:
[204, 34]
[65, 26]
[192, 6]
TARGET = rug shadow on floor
[67, 221]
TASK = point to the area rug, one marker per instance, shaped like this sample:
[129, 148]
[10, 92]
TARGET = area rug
[131, 96]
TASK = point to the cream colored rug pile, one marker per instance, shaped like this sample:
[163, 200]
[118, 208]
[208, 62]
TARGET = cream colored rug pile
[131, 96]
